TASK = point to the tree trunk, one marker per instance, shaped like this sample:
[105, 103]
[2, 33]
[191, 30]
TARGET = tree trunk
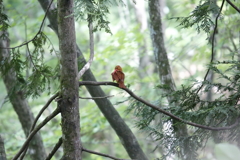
[69, 104]
[124, 133]
[2, 149]
[163, 66]
[20, 105]
[144, 58]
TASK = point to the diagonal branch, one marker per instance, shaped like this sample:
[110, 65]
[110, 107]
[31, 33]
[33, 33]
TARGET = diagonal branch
[31, 135]
[88, 64]
[39, 31]
[235, 7]
[101, 154]
[161, 110]
[56, 147]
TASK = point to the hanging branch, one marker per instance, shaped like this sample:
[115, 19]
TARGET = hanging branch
[213, 40]
[39, 31]
[235, 7]
[56, 147]
[104, 155]
[159, 109]
[30, 136]
[88, 64]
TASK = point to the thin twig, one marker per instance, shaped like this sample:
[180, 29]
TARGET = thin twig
[30, 136]
[88, 64]
[159, 109]
[235, 7]
[39, 31]
[56, 147]
[104, 155]
[213, 46]
[95, 97]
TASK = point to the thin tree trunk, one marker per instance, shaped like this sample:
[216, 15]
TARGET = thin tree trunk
[2, 149]
[20, 105]
[144, 58]
[124, 133]
[163, 66]
[69, 104]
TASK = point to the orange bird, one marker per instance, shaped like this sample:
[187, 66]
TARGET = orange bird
[119, 76]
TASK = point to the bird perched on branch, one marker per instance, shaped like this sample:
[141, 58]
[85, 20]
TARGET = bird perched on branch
[119, 76]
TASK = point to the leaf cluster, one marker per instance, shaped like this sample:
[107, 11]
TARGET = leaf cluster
[94, 11]
[200, 16]
[32, 74]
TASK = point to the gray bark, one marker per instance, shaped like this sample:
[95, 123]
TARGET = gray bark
[163, 66]
[68, 103]
[21, 106]
[159, 50]
[2, 149]
[124, 133]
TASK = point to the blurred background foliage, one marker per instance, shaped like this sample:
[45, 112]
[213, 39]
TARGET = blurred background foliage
[188, 50]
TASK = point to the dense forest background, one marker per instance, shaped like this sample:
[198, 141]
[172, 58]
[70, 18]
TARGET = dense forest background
[194, 77]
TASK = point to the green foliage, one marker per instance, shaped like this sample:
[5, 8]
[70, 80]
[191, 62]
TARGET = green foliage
[35, 75]
[40, 75]
[190, 103]
[95, 11]
[200, 16]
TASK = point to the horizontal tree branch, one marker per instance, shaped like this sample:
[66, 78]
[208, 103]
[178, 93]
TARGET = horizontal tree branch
[101, 154]
[159, 109]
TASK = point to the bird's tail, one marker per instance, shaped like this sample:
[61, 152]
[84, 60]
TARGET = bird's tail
[121, 85]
